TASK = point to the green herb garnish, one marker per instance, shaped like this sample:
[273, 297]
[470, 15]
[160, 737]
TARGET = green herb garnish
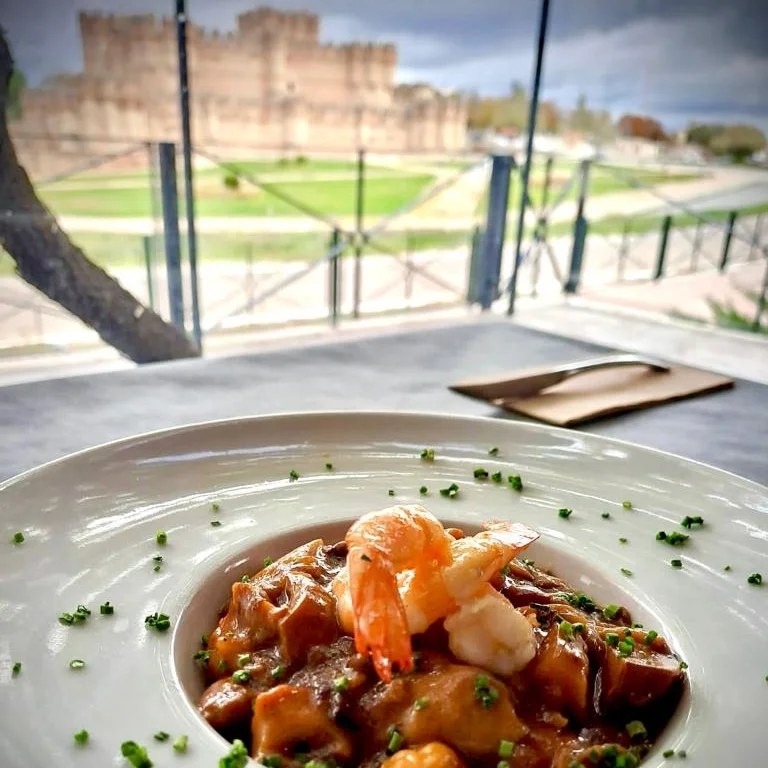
[395, 741]
[180, 745]
[675, 538]
[688, 521]
[480, 473]
[135, 754]
[564, 513]
[611, 611]
[626, 571]
[428, 454]
[329, 466]
[237, 757]
[391, 492]
[485, 693]
[76, 664]
[676, 563]
[241, 676]
[423, 490]
[81, 737]
[515, 482]
[18, 538]
[423, 702]
[606, 515]
[452, 491]
[755, 578]
[497, 477]
[161, 736]
[162, 538]
[160, 622]
[636, 730]
[506, 748]
[16, 669]
[341, 684]
[106, 609]
[493, 451]
[293, 475]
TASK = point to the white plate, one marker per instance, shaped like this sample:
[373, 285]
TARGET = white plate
[90, 522]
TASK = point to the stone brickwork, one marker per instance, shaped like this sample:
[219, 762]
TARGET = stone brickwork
[269, 85]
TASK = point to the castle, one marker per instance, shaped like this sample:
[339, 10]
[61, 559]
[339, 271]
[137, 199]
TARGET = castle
[269, 85]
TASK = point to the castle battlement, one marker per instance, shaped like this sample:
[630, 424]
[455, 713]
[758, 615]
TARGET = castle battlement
[270, 82]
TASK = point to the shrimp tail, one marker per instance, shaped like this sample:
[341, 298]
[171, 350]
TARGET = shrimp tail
[381, 626]
[518, 536]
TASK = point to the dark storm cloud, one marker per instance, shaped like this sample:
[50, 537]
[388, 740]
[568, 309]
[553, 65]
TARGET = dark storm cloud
[700, 59]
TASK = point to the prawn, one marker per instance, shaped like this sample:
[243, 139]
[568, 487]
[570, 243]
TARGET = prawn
[404, 572]
[381, 545]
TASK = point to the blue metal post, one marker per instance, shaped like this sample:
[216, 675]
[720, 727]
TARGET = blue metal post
[334, 278]
[579, 233]
[534, 108]
[666, 224]
[186, 145]
[167, 154]
[495, 228]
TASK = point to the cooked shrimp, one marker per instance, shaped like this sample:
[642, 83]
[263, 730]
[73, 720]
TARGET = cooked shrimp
[488, 631]
[432, 755]
[381, 545]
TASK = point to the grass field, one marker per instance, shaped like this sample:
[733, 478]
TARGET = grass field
[327, 187]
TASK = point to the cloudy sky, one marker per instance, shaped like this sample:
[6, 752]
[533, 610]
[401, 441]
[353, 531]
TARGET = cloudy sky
[680, 61]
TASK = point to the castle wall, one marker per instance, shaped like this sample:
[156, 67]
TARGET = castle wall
[269, 85]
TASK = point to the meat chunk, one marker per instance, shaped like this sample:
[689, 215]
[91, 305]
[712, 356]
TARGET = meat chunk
[288, 717]
[225, 704]
[560, 673]
[458, 705]
[636, 677]
[285, 603]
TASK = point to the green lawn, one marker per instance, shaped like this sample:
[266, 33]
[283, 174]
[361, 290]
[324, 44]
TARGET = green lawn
[333, 197]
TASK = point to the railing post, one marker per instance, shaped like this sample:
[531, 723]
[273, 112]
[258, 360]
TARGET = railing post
[146, 241]
[696, 246]
[727, 240]
[492, 244]
[756, 235]
[170, 199]
[475, 266]
[662, 255]
[408, 286]
[334, 278]
[623, 252]
[358, 231]
[579, 233]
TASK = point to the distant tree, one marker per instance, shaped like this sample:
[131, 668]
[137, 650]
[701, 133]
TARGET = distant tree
[739, 142]
[231, 181]
[581, 117]
[603, 129]
[16, 85]
[641, 127]
[702, 133]
[548, 119]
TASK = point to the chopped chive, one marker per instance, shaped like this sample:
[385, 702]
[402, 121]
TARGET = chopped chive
[215, 506]
[391, 492]
[162, 538]
[564, 513]
[727, 568]
[76, 664]
[428, 454]
[626, 646]
[241, 676]
[451, 492]
[626, 504]
[606, 515]
[329, 466]
[106, 609]
[180, 745]
[270, 761]
[675, 538]
[505, 570]
[683, 665]
[341, 684]
[506, 748]
[395, 741]
[18, 538]
[612, 639]
[480, 473]
[81, 737]
[243, 659]
[636, 730]
[515, 482]
[215, 523]
[755, 578]
[650, 636]
[16, 669]
[278, 673]
[681, 753]
[493, 451]
[135, 754]
[689, 522]
[221, 665]
[201, 657]
[66, 619]
[245, 578]
[623, 540]
[237, 757]
[160, 622]
[626, 571]
[676, 563]
[293, 475]
[161, 736]
[611, 611]
[423, 490]
[423, 702]
[565, 630]
[485, 693]
[266, 562]
[497, 477]
[668, 753]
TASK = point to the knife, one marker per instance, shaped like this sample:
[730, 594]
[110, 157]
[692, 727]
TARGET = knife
[530, 381]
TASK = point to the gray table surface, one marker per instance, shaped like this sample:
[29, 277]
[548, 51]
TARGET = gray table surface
[409, 370]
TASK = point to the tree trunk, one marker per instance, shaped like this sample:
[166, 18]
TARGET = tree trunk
[47, 259]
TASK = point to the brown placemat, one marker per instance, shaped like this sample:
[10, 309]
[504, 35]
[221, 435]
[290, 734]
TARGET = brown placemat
[593, 394]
